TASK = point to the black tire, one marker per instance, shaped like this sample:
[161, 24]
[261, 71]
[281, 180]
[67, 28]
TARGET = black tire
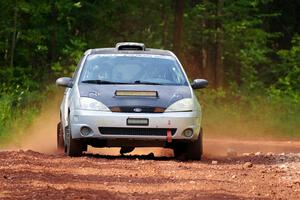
[60, 137]
[195, 149]
[190, 151]
[73, 147]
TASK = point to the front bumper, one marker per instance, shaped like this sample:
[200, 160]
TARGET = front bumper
[96, 119]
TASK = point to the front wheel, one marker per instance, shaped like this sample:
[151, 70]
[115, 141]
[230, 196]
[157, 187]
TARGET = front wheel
[191, 151]
[73, 147]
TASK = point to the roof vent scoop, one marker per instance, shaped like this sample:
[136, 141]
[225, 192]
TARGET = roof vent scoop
[130, 46]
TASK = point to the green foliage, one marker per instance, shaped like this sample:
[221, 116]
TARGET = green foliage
[73, 52]
[15, 117]
[19, 98]
[288, 73]
[71, 56]
[18, 108]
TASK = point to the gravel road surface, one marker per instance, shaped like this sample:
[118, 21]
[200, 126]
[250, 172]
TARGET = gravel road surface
[32, 175]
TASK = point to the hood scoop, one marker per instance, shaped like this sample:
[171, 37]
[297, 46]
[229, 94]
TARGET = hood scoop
[135, 93]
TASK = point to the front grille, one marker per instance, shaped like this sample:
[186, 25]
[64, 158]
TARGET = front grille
[130, 109]
[136, 131]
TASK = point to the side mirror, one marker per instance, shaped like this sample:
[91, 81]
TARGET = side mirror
[199, 83]
[64, 82]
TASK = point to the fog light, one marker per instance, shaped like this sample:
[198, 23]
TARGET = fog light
[85, 131]
[188, 132]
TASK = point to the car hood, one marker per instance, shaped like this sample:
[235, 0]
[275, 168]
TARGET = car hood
[166, 95]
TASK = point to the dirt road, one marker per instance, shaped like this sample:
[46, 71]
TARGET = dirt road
[32, 175]
[231, 169]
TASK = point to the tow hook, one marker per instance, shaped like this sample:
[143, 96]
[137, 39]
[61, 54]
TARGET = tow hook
[169, 136]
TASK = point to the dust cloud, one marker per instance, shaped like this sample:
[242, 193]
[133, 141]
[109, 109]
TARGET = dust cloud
[41, 134]
[41, 137]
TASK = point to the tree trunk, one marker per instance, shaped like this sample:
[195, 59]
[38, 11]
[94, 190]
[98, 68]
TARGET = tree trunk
[53, 30]
[14, 34]
[178, 27]
[165, 25]
[219, 46]
[204, 48]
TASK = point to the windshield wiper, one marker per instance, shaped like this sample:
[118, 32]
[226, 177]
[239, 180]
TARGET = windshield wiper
[146, 83]
[112, 82]
[101, 82]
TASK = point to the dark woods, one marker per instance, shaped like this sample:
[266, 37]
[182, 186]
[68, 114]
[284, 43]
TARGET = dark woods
[224, 41]
[243, 47]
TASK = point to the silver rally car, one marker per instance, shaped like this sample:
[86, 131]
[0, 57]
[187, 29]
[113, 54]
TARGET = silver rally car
[130, 96]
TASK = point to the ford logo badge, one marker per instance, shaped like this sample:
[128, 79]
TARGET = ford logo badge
[137, 110]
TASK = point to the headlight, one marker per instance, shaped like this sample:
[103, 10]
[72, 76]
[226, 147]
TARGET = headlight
[92, 104]
[183, 105]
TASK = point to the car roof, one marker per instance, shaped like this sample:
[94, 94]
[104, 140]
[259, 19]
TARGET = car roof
[130, 48]
[146, 51]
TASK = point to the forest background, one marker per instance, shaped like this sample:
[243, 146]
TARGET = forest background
[248, 50]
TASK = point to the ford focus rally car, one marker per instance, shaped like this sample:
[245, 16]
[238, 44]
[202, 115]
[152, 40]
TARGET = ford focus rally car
[130, 96]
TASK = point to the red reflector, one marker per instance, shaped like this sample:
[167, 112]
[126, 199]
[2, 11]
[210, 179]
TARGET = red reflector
[159, 110]
[169, 136]
[115, 109]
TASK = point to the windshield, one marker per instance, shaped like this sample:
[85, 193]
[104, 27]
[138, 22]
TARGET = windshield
[132, 69]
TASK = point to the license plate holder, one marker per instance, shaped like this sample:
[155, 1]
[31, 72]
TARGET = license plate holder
[137, 122]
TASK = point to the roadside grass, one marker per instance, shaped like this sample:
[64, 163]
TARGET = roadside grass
[254, 116]
[16, 117]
